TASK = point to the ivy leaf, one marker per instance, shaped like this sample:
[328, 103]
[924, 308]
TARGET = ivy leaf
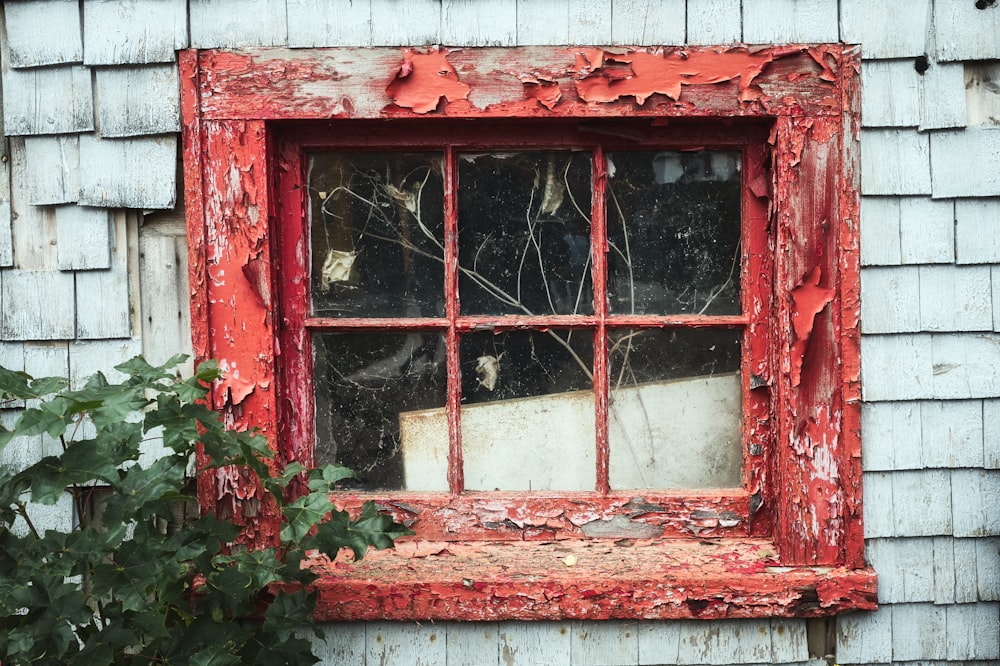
[303, 513]
[370, 529]
[324, 478]
[289, 611]
[46, 418]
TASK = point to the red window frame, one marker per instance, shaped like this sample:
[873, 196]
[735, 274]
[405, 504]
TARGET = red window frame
[789, 543]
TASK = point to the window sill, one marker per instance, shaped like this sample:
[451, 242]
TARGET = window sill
[591, 580]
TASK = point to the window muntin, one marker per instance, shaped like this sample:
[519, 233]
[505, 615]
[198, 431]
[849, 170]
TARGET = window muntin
[560, 386]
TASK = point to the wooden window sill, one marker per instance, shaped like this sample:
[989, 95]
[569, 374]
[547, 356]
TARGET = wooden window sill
[583, 579]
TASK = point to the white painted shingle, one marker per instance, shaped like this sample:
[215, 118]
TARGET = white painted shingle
[639, 22]
[891, 435]
[237, 23]
[88, 357]
[880, 234]
[165, 309]
[385, 641]
[6, 239]
[918, 632]
[33, 228]
[103, 307]
[890, 299]
[867, 22]
[411, 23]
[921, 503]
[329, 23]
[878, 515]
[599, 643]
[991, 434]
[590, 21]
[714, 22]
[951, 433]
[982, 92]
[945, 583]
[890, 94]
[43, 32]
[977, 231]
[976, 501]
[955, 299]
[37, 305]
[84, 238]
[995, 279]
[966, 578]
[963, 32]
[896, 367]
[943, 96]
[905, 569]
[476, 23]
[894, 162]
[926, 231]
[973, 631]
[47, 100]
[134, 101]
[988, 568]
[966, 365]
[53, 169]
[965, 163]
[659, 642]
[118, 32]
[865, 638]
[128, 173]
[789, 21]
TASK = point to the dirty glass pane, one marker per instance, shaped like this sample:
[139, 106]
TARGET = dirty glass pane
[528, 410]
[674, 232]
[524, 233]
[675, 411]
[366, 387]
[376, 231]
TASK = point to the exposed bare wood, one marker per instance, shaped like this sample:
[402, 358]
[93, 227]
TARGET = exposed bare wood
[83, 238]
[165, 309]
[982, 92]
[128, 173]
[865, 638]
[53, 164]
[87, 358]
[33, 227]
[57, 20]
[138, 100]
[118, 32]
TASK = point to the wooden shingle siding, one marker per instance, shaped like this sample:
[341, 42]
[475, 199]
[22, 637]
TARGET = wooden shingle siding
[329, 23]
[894, 430]
[976, 497]
[890, 94]
[412, 23]
[136, 101]
[890, 300]
[128, 173]
[865, 638]
[103, 306]
[165, 310]
[955, 299]
[37, 305]
[982, 93]
[53, 164]
[963, 32]
[880, 229]
[928, 434]
[966, 365]
[118, 32]
[33, 227]
[943, 98]
[57, 20]
[647, 22]
[894, 161]
[47, 100]
[977, 231]
[714, 22]
[896, 367]
[883, 30]
[476, 23]
[83, 238]
[237, 23]
[991, 437]
[926, 231]
[965, 163]
[789, 21]
[952, 433]
[908, 503]
[565, 22]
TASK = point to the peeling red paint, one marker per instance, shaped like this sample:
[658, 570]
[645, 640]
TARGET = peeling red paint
[424, 79]
[546, 93]
[808, 299]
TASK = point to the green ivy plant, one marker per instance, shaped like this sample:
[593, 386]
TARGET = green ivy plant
[134, 581]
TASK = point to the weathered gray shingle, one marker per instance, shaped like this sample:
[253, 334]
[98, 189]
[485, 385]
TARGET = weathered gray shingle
[865, 638]
[919, 631]
[103, 308]
[329, 23]
[714, 22]
[476, 23]
[966, 365]
[43, 32]
[976, 502]
[963, 32]
[789, 21]
[120, 32]
[891, 435]
[890, 300]
[973, 632]
[413, 23]
[238, 23]
[47, 100]
[977, 231]
[943, 98]
[926, 231]
[128, 173]
[897, 367]
[966, 163]
[894, 162]
[955, 299]
[908, 503]
[133, 101]
[867, 22]
[37, 305]
[890, 94]
[88, 357]
[647, 22]
[83, 238]
[53, 169]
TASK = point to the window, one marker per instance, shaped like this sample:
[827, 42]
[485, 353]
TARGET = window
[571, 326]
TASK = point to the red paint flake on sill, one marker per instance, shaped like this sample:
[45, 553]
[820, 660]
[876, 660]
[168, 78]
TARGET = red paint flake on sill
[423, 79]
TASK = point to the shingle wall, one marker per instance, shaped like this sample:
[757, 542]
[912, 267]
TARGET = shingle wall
[92, 255]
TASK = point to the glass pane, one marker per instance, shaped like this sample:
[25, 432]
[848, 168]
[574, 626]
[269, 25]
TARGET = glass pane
[674, 232]
[528, 410]
[367, 388]
[524, 233]
[377, 226]
[675, 411]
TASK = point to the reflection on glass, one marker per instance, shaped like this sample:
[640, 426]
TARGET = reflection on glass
[377, 234]
[365, 384]
[528, 410]
[675, 409]
[524, 233]
[674, 232]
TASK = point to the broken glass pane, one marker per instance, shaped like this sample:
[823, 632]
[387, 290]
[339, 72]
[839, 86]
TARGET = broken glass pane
[528, 410]
[675, 412]
[365, 384]
[377, 234]
[674, 232]
[524, 233]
